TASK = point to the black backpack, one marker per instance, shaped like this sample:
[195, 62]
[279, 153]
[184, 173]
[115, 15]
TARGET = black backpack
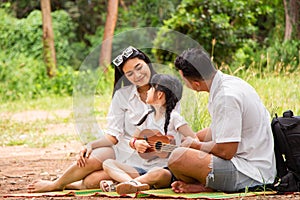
[286, 132]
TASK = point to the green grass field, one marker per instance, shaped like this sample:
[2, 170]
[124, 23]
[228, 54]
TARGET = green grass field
[279, 93]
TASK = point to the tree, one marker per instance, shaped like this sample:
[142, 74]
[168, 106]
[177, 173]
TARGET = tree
[292, 18]
[110, 24]
[48, 39]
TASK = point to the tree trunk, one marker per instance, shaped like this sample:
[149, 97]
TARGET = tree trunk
[292, 19]
[110, 24]
[48, 39]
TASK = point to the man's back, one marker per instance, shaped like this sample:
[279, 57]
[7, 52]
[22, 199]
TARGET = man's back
[238, 115]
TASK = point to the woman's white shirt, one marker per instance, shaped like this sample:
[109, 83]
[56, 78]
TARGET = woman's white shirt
[126, 109]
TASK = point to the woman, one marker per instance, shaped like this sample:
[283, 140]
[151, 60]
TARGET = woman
[133, 71]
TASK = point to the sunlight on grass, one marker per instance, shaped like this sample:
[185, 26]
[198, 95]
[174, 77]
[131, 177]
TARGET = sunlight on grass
[46, 103]
[32, 134]
[279, 93]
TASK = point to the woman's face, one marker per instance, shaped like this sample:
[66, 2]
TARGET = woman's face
[137, 71]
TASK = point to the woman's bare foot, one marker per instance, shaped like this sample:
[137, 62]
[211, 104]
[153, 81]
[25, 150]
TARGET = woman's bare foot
[43, 186]
[182, 187]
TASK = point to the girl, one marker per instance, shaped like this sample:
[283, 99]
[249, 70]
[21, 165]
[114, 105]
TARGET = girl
[163, 96]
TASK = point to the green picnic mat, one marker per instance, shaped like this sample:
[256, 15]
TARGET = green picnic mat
[159, 193]
[168, 193]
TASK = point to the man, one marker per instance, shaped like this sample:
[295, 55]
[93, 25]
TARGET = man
[237, 150]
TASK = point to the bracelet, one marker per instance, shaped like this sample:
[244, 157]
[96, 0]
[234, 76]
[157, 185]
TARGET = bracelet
[133, 143]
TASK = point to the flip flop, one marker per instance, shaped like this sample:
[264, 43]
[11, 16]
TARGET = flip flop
[132, 186]
[108, 186]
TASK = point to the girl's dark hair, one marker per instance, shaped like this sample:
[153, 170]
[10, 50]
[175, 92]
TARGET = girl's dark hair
[120, 78]
[172, 88]
[195, 64]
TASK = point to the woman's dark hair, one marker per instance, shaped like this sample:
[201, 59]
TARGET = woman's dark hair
[195, 64]
[120, 79]
[172, 88]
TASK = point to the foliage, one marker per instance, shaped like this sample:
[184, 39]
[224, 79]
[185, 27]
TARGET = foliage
[280, 57]
[22, 77]
[231, 23]
[25, 36]
[147, 13]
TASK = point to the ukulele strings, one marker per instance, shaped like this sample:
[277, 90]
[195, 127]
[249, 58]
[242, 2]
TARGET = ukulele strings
[168, 147]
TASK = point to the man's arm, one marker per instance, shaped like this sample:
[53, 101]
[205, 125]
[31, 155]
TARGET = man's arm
[204, 135]
[223, 150]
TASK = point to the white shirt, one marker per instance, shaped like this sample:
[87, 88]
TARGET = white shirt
[176, 121]
[238, 115]
[126, 109]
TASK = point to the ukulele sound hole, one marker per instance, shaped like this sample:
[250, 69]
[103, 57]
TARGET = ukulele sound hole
[158, 145]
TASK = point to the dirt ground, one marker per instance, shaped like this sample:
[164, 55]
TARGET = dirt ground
[20, 165]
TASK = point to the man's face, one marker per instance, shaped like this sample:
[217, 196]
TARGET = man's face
[190, 84]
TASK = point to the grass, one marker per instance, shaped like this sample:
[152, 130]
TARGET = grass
[278, 92]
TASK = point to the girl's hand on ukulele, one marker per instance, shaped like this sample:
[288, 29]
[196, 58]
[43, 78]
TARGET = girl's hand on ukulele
[141, 145]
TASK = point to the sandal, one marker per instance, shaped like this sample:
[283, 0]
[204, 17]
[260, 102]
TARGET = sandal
[108, 186]
[132, 186]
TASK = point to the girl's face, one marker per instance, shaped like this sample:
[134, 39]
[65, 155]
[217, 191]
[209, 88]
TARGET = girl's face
[151, 96]
[155, 97]
[137, 71]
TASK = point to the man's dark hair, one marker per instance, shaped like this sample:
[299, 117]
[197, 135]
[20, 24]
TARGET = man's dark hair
[195, 64]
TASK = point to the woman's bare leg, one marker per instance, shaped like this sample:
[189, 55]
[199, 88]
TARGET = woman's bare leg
[73, 173]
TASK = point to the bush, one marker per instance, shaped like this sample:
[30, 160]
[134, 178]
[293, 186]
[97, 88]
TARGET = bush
[23, 77]
[25, 36]
[279, 57]
[229, 23]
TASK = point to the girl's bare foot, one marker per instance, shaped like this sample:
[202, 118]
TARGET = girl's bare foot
[43, 186]
[182, 187]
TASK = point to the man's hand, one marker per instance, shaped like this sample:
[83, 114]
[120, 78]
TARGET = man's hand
[191, 143]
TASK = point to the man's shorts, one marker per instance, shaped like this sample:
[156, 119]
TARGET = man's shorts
[225, 177]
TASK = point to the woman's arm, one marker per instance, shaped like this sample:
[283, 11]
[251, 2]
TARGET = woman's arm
[105, 141]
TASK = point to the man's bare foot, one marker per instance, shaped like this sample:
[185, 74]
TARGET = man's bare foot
[43, 186]
[182, 187]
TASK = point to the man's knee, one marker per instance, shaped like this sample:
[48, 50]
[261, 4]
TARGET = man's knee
[176, 156]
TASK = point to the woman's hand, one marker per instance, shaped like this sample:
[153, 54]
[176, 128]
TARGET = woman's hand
[141, 146]
[84, 154]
